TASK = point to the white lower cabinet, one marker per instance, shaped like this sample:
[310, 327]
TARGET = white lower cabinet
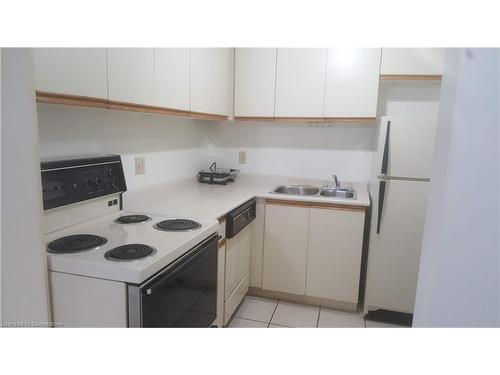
[334, 254]
[285, 248]
[313, 250]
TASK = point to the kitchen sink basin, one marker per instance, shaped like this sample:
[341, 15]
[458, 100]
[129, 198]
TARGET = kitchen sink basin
[338, 193]
[296, 190]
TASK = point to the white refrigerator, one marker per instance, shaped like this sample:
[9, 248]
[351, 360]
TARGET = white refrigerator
[398, 187]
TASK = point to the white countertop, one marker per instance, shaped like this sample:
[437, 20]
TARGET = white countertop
[188, 198]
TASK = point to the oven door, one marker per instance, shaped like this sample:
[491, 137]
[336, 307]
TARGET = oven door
[182, 295]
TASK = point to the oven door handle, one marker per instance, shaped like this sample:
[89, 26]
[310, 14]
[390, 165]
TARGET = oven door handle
[181, 269]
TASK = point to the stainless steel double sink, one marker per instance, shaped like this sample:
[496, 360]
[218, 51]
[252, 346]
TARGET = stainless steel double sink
[309, 190]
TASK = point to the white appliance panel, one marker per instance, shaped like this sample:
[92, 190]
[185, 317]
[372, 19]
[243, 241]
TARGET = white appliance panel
[411, 146]
[394, 253]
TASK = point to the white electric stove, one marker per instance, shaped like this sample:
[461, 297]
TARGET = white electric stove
[128, 252]
[108, 267]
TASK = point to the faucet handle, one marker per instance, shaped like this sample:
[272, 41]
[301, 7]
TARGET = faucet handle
[336, 180]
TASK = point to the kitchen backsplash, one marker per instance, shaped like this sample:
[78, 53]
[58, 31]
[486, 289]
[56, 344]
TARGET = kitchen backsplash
[176, 148]
[173, 147]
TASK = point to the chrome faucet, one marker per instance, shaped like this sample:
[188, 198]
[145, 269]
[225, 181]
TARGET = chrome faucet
[336, 180]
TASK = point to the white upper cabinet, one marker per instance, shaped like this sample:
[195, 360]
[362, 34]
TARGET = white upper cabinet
[352, 78]
[73, 71]
[201, 79]
[300, 82]
[131, 75]
[223, 78]
[212, 80]
[255, 82]
[172, 78]
[412, 61]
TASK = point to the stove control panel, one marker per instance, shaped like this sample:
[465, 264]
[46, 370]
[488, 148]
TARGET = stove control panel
[75, 180]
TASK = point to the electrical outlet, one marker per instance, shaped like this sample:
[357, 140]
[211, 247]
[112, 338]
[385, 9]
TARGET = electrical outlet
[140, 165]
[243, 157]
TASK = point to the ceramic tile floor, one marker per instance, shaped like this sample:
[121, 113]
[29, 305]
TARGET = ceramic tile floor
[261, 313]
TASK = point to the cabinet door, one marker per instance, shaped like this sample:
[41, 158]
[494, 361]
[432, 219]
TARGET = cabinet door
[222, 83]
[237, 260]
[255, 82]
[352, 79]
[212, 80]
[131, 75]
[74, 71]
[412, 61]
[300, 82]
[334, 254]
[172, 72]
[202, 62]
[285, 248]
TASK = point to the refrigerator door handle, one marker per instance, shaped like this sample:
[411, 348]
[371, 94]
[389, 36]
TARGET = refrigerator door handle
[383, 174]
[385, 155]
[381, 196]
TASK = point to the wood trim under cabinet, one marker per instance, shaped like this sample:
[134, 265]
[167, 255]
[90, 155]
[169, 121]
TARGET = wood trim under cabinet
[311, 120]
[336, 206]
[73, 100]
[329, 206]
[85, 101]
[279, 202]
[221, 219]
[411, 77]
[253, 118]
[221, 243]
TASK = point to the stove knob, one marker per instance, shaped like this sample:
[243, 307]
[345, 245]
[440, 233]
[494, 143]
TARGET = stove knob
[88, 182]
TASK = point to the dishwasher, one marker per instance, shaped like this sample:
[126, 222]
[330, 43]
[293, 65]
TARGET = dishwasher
[237, 264]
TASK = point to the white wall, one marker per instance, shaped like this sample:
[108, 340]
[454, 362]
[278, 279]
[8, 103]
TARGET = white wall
[24, 270]
[174, 148]
[296, 150]
[459, 282]
[318, 151]
[408, 98]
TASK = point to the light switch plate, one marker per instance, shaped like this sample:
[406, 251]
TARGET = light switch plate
[243, 157]
[140, 165]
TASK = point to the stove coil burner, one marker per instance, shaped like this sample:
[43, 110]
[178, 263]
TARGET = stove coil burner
[129, 252]
[177, 225]
[75, 243]
[131, 219]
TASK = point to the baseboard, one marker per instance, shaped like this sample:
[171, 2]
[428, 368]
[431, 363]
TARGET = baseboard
[316, 301]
